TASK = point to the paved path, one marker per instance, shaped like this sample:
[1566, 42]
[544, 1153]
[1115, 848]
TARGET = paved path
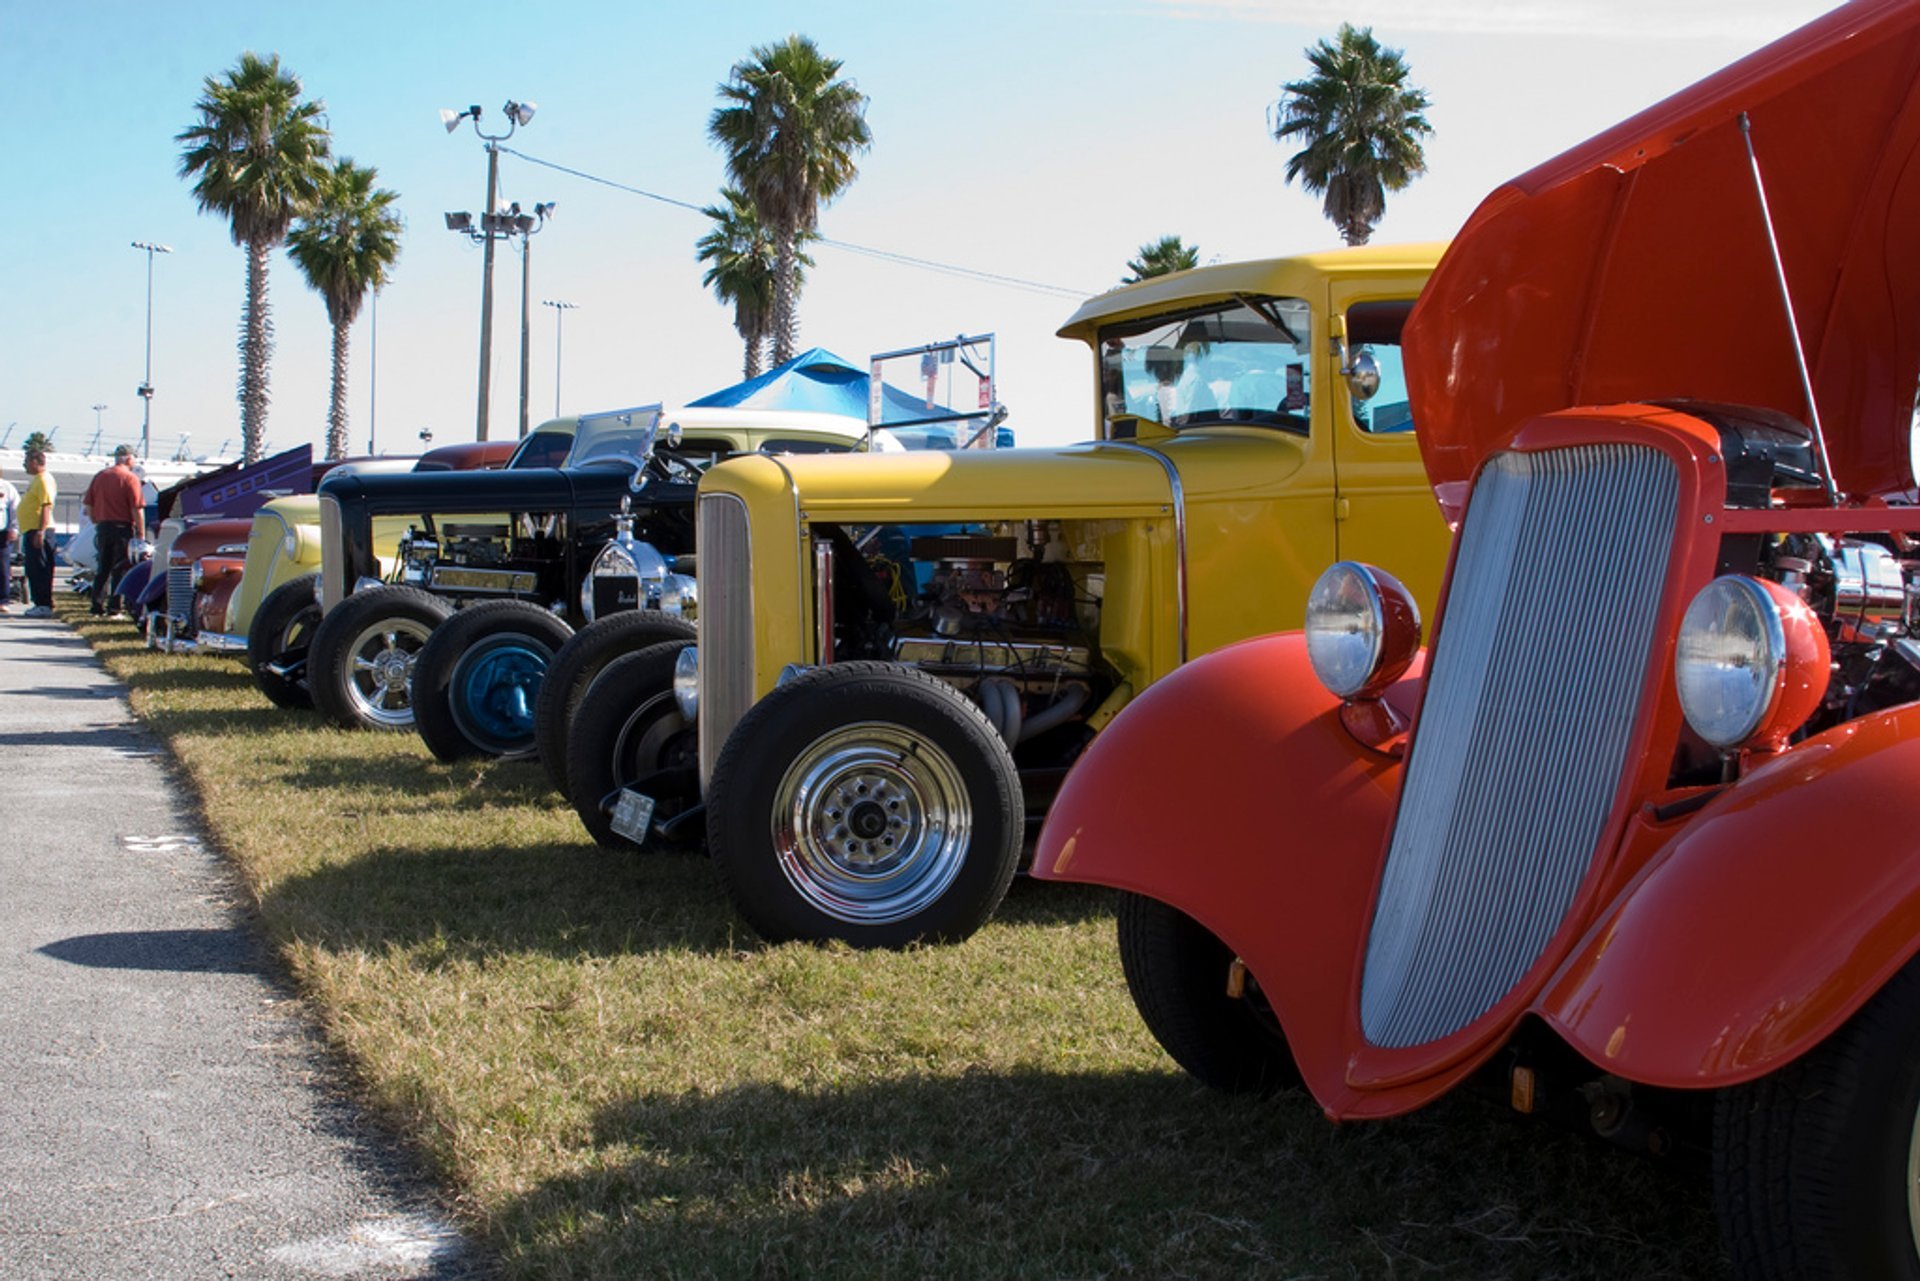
[164, 1111]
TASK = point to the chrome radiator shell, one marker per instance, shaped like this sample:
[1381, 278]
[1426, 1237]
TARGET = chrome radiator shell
[1524, 733]
[724, 539]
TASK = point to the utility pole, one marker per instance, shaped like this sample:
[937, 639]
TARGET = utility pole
[517, 113]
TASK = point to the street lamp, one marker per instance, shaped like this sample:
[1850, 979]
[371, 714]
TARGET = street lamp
[145, 390]
[517, 113]
[527, 226]
[560, 310]
[96, 424]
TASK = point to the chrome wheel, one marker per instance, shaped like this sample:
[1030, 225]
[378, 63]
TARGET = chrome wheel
[871, 823]
[380, 661]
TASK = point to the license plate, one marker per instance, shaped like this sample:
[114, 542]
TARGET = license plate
[633, 815]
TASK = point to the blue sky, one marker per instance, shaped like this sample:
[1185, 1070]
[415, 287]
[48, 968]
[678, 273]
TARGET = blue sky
[1044, 140]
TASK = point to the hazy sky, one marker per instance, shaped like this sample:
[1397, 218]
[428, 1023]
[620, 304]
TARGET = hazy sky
[1044, 140]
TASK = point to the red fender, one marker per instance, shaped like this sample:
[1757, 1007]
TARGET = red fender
[1230, 791]
[1764, 923]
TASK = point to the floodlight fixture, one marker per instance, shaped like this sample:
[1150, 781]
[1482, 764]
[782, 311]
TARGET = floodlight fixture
[462, 221]
[521, 112]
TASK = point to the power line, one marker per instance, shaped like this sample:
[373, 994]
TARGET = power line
[884, 255]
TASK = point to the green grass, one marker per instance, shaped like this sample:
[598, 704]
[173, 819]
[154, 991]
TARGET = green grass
[613, 1078]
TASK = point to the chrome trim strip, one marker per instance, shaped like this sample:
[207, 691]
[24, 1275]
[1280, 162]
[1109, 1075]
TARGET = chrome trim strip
[1524, 732]
[823, 600]
[1179, 526]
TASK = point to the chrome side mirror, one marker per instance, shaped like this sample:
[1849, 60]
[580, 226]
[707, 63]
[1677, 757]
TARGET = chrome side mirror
[1362, 373]
[675, 434]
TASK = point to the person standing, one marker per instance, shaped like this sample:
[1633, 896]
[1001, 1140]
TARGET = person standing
[36, 534]
[9, 534]
[113, 503]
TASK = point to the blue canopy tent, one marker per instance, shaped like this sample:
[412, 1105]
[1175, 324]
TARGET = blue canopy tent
[817, 381]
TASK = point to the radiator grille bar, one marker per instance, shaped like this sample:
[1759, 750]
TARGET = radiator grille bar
[1523, 735]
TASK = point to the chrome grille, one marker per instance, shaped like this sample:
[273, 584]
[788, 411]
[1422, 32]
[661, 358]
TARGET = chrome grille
[180, 592]
[723, 542]
[1524, 731]
[333, 555]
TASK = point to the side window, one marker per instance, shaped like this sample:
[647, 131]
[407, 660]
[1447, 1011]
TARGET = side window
[1373, 333]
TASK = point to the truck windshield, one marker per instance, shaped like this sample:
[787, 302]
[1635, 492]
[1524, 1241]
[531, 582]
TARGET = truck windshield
[1244, 361]
[625, 437]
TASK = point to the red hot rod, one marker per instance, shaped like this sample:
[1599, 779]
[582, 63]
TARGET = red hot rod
[1637, 834]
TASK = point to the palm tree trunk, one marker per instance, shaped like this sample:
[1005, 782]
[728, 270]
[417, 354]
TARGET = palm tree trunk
[786, 325]
[256, 349]
[337, 407]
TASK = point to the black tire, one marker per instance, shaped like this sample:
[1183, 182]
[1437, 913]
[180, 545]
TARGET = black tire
[886, 754]
[628, 727]
[1177, 973]
[280, 633]
[1814, 1164]
[360, 664]
[476, 679]
[580, 660]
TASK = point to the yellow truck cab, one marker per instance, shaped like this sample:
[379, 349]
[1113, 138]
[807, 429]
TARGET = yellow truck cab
[900, 655]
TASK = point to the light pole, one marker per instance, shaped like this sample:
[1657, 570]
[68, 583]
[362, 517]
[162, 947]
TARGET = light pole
[373, 369]
[517, 113]
[560, 310]
[527, 226]
[146, 383]
[96, 422]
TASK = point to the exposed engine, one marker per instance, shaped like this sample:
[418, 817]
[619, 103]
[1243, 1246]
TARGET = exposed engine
[1867, 595]
[1865, 589]
[481, 558]
[1009, 615]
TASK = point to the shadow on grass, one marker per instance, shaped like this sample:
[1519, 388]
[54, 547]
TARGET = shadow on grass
[1123, 1174]
[560, 900]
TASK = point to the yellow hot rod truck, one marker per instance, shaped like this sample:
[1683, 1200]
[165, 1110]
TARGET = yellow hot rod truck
[878, 711]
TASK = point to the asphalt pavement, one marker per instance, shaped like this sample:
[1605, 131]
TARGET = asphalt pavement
[165, 1108]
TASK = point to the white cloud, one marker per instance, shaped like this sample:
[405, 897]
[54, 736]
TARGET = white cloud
[1747, 21]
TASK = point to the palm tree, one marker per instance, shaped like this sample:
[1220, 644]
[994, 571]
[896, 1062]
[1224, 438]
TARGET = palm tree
[790, 136]
[740, 251]
[257, 157]
[1161, 257]
[1361, 125]
[345, 245]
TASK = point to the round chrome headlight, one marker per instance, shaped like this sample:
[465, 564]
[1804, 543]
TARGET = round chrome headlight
[680, 595]
[686, 682]
[1362, 628]
[1751, 663]
[622, 559]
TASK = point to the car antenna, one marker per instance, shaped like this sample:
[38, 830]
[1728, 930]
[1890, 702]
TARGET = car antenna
[1793, 324]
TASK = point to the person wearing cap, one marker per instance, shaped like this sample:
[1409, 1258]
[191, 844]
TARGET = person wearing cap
[113, 503]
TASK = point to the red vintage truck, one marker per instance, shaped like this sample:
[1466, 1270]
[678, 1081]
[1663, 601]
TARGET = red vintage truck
[1635, 836]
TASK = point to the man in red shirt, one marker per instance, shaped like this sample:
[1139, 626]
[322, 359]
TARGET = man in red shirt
[113, 503]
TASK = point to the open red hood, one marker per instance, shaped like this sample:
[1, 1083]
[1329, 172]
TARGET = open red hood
[1635, 267]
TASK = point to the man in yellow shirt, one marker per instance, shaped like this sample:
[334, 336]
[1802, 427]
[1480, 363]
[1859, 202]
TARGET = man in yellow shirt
[36, 534]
